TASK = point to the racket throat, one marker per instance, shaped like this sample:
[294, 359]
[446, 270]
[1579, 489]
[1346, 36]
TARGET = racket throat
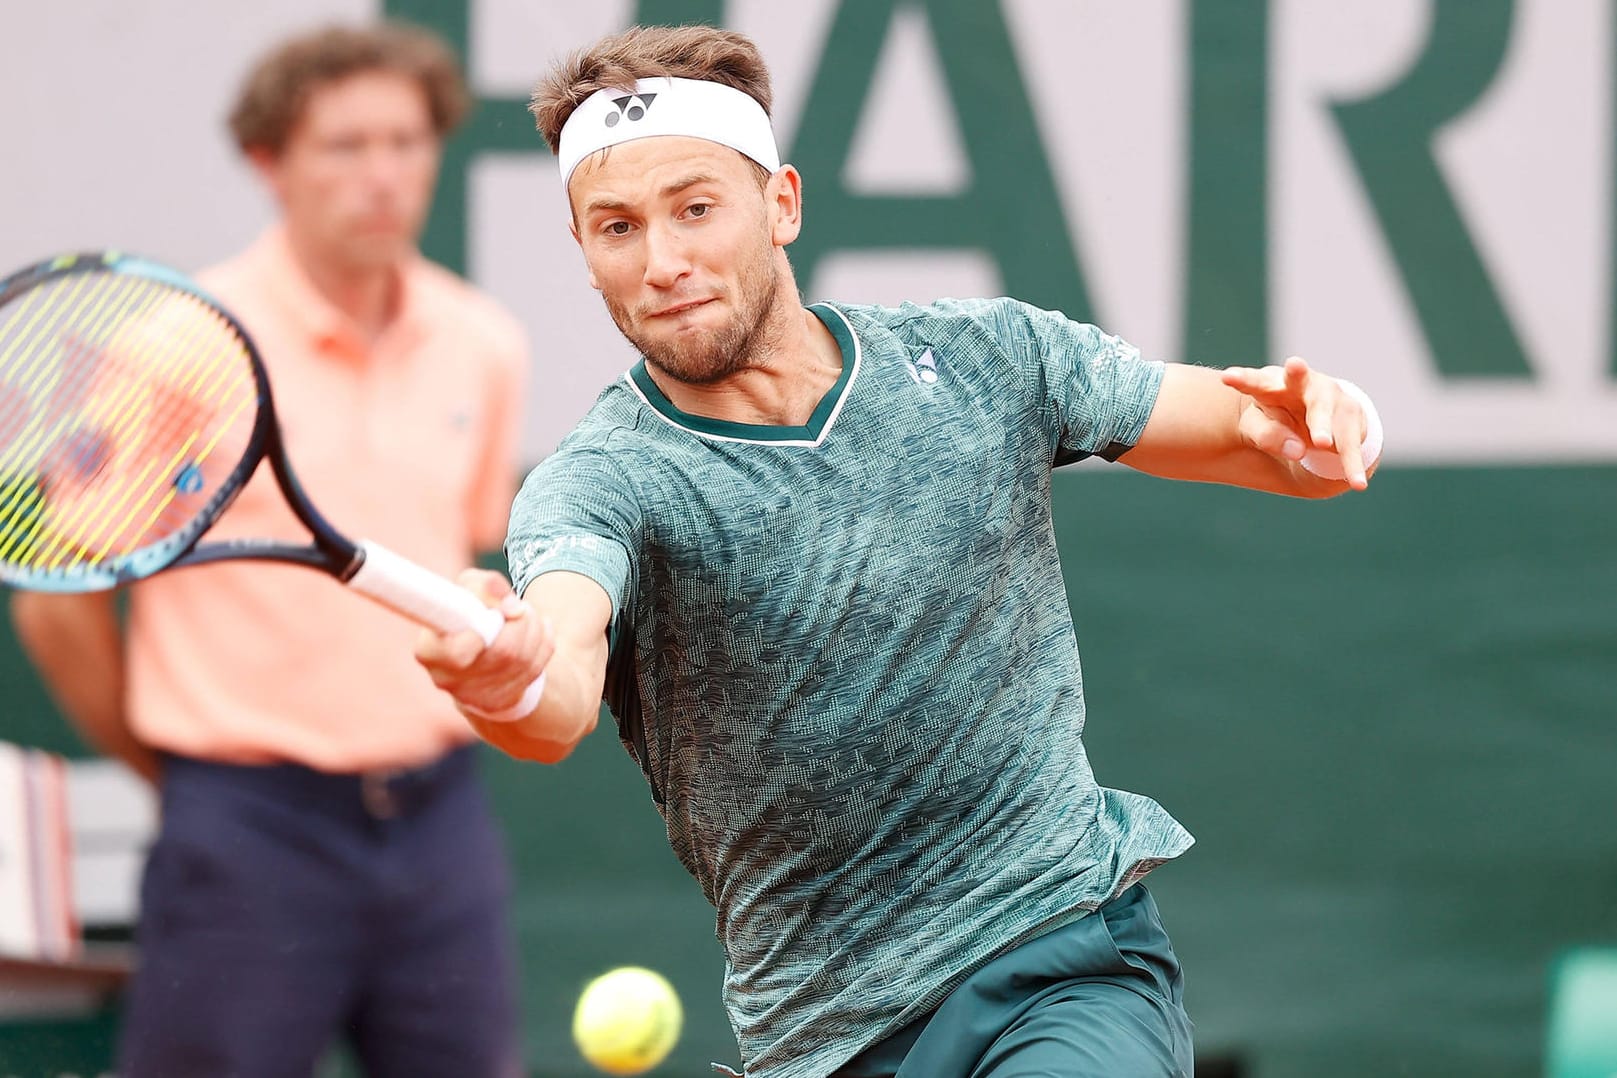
[350, 569]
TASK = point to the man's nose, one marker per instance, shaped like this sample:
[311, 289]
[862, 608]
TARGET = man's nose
[666, 257]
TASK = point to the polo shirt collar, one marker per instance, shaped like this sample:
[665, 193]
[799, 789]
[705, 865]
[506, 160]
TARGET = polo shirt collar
[317, 317]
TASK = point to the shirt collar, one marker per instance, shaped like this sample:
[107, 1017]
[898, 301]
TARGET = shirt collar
[318, 318]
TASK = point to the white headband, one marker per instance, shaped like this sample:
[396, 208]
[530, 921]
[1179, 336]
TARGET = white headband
[704, 110]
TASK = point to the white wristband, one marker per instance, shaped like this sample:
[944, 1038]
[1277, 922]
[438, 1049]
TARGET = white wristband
[1327, 463]
[520, 710]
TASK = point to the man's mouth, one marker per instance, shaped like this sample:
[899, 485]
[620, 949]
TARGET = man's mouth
[679, 308]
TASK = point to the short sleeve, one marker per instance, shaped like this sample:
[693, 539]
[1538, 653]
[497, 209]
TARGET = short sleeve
[576, 513]
[1095, 392]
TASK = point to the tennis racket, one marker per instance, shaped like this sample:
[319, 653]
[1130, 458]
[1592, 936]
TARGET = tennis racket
[133, 409]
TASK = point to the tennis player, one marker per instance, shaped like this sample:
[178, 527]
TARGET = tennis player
[806, 556]
[327, 866]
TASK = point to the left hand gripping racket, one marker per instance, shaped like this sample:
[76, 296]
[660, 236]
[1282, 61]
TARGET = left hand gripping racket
[133, 409]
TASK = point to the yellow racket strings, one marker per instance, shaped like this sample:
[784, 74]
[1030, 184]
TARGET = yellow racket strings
[129, 388]
[189, 375]
[34, 374]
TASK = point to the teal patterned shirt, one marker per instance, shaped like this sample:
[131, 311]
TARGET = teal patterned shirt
[843, 658]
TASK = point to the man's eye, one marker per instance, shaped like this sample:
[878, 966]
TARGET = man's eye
[618, 228]
[699, 209]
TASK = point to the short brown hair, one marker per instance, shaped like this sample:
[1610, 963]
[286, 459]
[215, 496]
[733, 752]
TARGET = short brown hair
[649, 52]
[276, 90]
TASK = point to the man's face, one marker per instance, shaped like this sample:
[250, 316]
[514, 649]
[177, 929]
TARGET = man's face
[681, 243]
[356, 175]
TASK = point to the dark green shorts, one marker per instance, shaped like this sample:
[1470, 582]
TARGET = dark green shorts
[1099, 998]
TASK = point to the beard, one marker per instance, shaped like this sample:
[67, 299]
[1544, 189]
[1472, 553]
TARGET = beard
[710, 356]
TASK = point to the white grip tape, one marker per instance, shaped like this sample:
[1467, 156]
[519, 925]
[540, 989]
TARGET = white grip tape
[1327, 463]
[422, 595]
[520, 710]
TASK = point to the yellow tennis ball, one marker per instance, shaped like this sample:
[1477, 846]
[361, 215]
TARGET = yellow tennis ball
[627, 1020]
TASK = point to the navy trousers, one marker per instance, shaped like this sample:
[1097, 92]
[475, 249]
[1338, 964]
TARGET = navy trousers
[283, 909]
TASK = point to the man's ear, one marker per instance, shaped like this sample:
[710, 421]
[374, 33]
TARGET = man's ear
[784, 193]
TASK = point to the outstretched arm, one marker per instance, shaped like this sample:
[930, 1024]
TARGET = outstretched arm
[558, 629]
[1288, 430]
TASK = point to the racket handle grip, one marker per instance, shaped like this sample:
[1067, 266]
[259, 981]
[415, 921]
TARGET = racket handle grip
[422, 595]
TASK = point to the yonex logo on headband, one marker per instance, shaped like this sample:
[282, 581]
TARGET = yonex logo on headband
[691, 108]
[633, 112]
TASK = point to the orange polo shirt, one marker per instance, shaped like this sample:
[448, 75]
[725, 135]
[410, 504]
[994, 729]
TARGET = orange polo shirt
[410, 441]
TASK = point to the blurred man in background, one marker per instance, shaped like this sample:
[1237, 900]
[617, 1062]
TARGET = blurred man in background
[327, 863]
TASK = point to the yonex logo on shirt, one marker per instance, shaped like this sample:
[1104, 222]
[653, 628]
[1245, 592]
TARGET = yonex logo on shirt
[625, 109]
[538, 551]
[925, 369]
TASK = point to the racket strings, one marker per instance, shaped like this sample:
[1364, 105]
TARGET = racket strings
[173, 430]
[177, 420]
[160, 421]
[39, 379]
[115, 392]
[56, 381]
[36, 378]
